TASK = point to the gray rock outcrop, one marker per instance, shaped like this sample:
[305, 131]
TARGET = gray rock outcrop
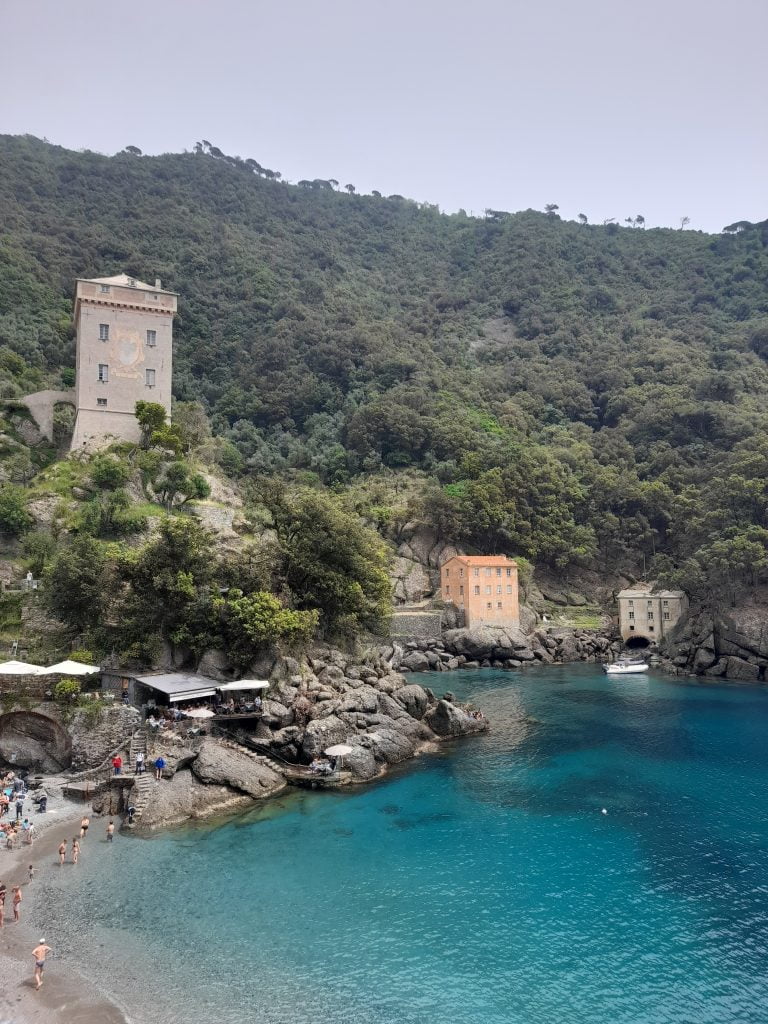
[232, 766]
[183, 797]
[446, 719]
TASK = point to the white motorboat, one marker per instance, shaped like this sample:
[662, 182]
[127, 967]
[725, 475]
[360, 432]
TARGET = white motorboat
[625, 667]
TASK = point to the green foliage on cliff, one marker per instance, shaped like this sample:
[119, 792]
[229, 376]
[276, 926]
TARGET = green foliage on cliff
[568, 391]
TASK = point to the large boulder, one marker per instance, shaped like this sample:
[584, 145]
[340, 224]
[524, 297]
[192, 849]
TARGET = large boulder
[361, 762]
[416, 661]
[322, 733]
[480, 643]
[226, 765]
[570, 649]
[737, 668]
[389, 745]
[704, 658]
[183, 797]
[446, 719]
[276, 714]
[215, 664]
[413, 699]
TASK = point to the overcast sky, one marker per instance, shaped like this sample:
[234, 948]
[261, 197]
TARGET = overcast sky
[607, 107]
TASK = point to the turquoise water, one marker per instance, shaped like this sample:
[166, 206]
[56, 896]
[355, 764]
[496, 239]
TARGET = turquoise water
[482, 885]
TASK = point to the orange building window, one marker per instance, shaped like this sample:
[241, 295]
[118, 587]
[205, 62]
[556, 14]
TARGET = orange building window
[477, 589]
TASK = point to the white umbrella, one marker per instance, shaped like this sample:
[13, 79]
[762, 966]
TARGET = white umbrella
[340, 750]
[199, 713]
[20, 668]
[71, 668]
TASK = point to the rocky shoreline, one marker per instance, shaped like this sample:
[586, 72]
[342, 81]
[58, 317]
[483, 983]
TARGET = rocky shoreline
[330, 698]
[504, 648]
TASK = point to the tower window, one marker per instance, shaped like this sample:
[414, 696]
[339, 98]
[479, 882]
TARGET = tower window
[150, 378]
[101, 401]
[498, 605]
[498, 572]
[666, 616]
[104, 372]
[477, 589]
[509, 588]
[509, 572]
[151, 339]
[105, 289]
[103, 332]
[490, 604]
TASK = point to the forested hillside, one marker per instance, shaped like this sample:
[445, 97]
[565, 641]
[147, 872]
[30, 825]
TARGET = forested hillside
[563, 391]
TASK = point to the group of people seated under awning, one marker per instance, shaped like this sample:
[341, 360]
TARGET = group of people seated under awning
[187, 711]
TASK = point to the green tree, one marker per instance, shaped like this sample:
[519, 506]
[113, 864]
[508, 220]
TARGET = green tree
[179, 484]
[14, 517]
[257, 621]
[151, 417]
[77, 584]
[109, 472]
[331, 561]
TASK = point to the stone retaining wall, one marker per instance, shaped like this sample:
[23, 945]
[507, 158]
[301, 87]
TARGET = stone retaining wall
[413, 625]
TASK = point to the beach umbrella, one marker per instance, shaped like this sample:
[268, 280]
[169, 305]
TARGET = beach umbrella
[340, 750]
[70, 668]
[20, 668]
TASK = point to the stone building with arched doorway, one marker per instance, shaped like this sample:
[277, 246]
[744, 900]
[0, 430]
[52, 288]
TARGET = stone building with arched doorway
[645, 615]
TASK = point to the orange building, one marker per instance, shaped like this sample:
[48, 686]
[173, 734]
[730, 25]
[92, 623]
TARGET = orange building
[484, 587]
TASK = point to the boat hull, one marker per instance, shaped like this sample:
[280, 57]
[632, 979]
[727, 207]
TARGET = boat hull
[624, 670]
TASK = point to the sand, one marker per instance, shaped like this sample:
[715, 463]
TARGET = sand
[65, 997]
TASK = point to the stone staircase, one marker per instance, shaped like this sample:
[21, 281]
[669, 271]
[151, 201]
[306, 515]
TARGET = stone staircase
[142, 785]
[138, 746]
[141, 794]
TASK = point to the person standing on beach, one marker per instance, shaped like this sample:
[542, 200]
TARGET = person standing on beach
[62, 851]
[40, 952]
[110, 831]
[117, 764]
[139, 763]
[19, 806]
[75, 850]
[16, 903]
[2, 904]
[159, 765]
[31, 872]
[84, 826]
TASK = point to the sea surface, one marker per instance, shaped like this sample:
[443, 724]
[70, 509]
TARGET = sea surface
[605, 864]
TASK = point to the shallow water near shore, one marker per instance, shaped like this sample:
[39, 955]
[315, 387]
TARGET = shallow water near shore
[480, 885]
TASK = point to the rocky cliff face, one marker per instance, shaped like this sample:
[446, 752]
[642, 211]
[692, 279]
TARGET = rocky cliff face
[729, 644]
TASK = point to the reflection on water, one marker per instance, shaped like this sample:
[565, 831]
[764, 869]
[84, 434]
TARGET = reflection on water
[483, 885]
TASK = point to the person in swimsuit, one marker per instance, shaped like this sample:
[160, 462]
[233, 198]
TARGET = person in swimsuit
[84, 825]
[2, 911]
[62, 851]
[110, 831]
[75, 850]
[40, 952]
[31, 872]
[16, 903]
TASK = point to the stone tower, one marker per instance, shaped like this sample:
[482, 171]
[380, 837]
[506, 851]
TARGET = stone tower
[124, 354]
